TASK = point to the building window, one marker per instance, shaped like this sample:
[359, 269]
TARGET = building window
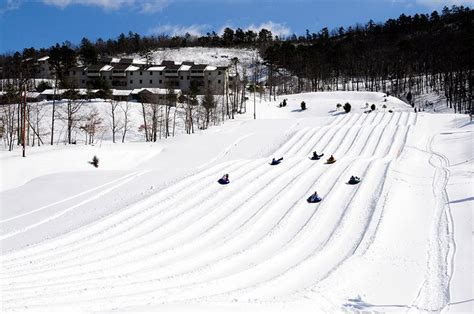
[219, 72]
[83, 81]
[208, 81]
[176, 84]
[161, 73]
[110, 78]
[83, 72]
[131, 73]
[141, 73]
[218, 81]
[151, 81]
[181, 77]
[131, 81]
[73, 72]
[187, 77]
[160, 81]
[151, 73]
[141, 81]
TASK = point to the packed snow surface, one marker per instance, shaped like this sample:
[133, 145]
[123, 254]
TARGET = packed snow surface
[152, 230]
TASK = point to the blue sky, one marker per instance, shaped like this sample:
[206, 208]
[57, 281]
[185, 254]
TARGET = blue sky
[42, 23]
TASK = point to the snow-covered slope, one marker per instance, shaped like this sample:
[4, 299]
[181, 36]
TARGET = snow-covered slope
[159, 233]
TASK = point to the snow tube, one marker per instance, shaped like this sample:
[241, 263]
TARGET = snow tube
[355, 181]
[276, 161]
[318, 157]
[223, 181]
[312, 199]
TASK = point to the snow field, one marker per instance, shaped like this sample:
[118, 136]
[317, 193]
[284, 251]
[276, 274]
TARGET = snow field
[196, 240]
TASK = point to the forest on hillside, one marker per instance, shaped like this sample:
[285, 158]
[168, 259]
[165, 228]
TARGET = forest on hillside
[407, 56]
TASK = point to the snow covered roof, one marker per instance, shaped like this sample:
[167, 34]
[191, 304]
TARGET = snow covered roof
[51, 91]
[156, 68]
[156, 91]
[80, 91]
[121, 92]
[106, 68]
[32, 94]
[44, 58]
[132, 68]
[210, 68]
[184, 67]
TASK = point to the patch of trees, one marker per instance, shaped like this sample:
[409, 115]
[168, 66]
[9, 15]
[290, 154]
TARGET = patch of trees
[406, 57]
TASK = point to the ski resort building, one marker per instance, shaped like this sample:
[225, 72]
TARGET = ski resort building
[125, 74]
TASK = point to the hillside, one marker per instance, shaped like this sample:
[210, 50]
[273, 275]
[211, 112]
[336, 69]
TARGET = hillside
[152, 230]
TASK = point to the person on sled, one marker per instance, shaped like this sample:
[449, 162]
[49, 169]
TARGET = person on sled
[316, 156]
[354, 180]
[314, 198]
[224, 179]
[331, 160]
[276, 161]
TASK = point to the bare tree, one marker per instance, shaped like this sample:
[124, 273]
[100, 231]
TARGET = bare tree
[171, 99]
[144, 116]
[125, 106]
[115, 122]
[92, 125]
[208, 103]
[72, 113]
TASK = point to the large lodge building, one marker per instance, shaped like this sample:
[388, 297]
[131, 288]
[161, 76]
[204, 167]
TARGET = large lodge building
[126, 74]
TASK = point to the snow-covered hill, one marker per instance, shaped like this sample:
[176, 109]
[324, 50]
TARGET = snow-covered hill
[152, 230]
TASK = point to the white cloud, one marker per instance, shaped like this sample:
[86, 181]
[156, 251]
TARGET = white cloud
[153, 6]
[277, 29]
[144, 6]
[175, 30]
[10, 5]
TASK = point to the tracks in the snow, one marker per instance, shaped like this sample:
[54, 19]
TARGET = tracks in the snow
[196, 240]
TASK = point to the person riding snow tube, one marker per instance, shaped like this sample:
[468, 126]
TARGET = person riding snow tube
[276, 161]
[331, 160]
[354, 180]
[316, 156]
[314, 198]
[224, 179]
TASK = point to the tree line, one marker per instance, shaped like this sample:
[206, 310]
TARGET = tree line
[408, 56]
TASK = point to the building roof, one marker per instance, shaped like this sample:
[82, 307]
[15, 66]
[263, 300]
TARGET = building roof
[107, 68]
[132, 68]
[200, 67]
[32, 94]
[121, 92]
[50, 91]
[210, 68]
[120, 67]
[184, 67]
[126, 60]
[156, 68]
[155, 91]
[173, 67]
